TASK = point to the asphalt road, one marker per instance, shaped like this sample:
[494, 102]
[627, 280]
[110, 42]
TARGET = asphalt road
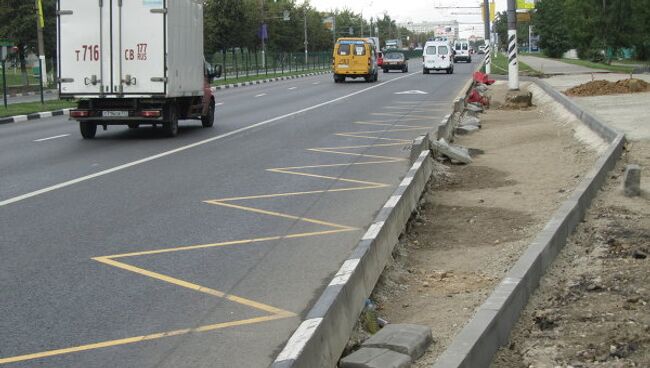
[135, 250]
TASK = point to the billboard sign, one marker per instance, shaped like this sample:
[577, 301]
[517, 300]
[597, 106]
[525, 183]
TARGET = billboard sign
[526, 4]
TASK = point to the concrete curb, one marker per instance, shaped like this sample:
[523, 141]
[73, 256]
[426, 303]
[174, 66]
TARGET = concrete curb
[34, 116]
[490, 328]
[269, 80]
[322, 336]
[320, 339]
[25, 94]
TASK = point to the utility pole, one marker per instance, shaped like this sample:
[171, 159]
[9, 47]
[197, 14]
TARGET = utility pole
[40, 24]
[513, 65]
[488, 61]
[263, 33]
[306, 43]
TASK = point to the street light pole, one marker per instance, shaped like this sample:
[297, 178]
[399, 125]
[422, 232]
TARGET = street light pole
[40, 24]
[513, 65]
[263, 33]
[488, 61]
[306, 43]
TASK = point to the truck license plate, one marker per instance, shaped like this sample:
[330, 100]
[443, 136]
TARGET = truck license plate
[115, 114]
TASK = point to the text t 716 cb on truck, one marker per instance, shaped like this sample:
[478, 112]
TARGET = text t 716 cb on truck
[134, 62]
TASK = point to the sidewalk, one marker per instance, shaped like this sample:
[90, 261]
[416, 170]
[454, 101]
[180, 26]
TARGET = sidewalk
[625, 112]
[590, 309]
[550, 66]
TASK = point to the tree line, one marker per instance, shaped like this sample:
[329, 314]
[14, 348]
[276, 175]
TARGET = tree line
[228, 24]
[597, 29]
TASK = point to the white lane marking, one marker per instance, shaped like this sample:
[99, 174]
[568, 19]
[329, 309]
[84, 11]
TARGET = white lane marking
[260, 95]
[299, 339]
[218, 104]
[315, 83]
[344, 273]
[392, 201]
[192, 145]
[50, 138]
[373, 231]
[292, 88]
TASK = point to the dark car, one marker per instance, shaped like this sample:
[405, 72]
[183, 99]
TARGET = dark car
[395, 61]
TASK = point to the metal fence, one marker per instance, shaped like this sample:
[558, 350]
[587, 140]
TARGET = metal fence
[238, 63]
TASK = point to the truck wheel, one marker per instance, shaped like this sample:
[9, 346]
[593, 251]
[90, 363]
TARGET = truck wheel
[208, 120]
[425, 71]
[170, 127]
[88, 129]
[134, 125]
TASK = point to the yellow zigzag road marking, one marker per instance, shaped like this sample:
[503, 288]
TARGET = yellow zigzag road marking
[274, 313]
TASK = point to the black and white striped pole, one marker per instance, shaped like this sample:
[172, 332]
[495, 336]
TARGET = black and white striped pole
[513, 65]
[488, 59]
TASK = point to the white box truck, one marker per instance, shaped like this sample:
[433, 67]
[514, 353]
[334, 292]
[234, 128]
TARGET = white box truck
[134, 62]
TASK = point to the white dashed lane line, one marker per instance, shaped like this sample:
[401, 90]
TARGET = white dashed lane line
[292, 88]
[260, 95]
[50, 138]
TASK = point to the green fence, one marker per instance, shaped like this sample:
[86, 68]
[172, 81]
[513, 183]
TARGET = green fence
[244, 63]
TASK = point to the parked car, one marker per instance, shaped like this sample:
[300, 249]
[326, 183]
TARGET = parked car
[437, 55]
[395, 61]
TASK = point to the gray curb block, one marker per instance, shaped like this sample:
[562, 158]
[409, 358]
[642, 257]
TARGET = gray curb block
[269, 80]
[322, 336]
[25, 94]
[34, 116]
[490, 328]
[320, 339]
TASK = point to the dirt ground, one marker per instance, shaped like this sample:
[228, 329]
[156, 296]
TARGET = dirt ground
[477, 219]
[591, 309]
[603, 87]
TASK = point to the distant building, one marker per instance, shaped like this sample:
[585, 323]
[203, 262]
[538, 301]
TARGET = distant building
[448, 29]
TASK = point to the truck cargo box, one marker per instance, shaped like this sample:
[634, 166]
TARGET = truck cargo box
[130, 48]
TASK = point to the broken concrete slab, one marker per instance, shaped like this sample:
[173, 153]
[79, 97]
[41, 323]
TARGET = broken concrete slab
[472, 107]
[466, 129]
[409, 339]
[632, 180]
[455, 153]
[470, 120]
[375, 358]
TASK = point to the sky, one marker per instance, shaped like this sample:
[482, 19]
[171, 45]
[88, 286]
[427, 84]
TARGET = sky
[401, 10]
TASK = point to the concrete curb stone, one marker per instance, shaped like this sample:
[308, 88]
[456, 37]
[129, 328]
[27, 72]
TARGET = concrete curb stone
[375, 358]
[412, 340]
[490, 328]
[34, 116]
[268, 80]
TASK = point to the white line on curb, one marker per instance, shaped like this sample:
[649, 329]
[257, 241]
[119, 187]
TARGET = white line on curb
[192, 145]
[298, 340]
[373, 231]
[50, 138]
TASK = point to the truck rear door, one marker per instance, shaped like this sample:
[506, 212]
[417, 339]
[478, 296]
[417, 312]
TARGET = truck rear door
[84, 46]
[112, 47]
[139, 46]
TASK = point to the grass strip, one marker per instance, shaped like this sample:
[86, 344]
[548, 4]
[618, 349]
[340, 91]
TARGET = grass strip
[254, 77]
[500, 66]
[34, 107]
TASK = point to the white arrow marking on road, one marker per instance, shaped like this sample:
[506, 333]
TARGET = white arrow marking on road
[412, 92]
[50, 138]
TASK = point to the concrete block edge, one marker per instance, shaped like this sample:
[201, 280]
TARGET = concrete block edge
[33, 116]
[479, 340]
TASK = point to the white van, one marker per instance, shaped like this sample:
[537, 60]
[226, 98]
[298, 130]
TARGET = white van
[462, 51]
[437, 55]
